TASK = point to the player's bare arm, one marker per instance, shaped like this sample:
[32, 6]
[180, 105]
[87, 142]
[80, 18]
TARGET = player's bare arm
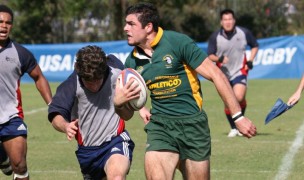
[221, 59]
[145, 114]
[69, 128]
[41, 84]
[253, 53]
[297, 94]
[209, 71]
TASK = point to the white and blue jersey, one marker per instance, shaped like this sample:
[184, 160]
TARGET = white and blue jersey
[233, 46]
[101, 132]
[15, 61]
[98, 122]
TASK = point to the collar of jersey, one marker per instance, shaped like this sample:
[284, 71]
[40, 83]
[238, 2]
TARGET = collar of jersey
[228, 35]
[156, 40]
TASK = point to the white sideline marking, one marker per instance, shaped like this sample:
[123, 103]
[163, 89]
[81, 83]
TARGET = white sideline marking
[48, 171]
[35, 110]
[287, 161]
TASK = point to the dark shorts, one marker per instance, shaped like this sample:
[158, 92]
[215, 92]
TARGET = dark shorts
[242, 79]
[92, 159]
[187, 135]
[13, 128]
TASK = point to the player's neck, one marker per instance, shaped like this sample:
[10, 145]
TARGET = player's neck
[146, 45]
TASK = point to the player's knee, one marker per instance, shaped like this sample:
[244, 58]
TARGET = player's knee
[117, 177]
[116, 174]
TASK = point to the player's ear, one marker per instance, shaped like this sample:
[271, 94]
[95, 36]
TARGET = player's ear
[149, 27]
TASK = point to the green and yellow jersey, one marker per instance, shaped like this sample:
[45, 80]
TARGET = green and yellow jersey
[169, 73]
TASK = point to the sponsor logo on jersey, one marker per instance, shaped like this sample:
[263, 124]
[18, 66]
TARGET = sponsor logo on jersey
[166, 87]
[9, 59]
[168, 84]
[168, 58]
[139, 69]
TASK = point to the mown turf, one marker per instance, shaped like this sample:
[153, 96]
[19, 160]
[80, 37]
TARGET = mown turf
[51, 156]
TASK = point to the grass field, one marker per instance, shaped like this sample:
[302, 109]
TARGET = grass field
[276, 151]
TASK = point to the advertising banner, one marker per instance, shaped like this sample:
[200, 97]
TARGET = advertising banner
[278, 57]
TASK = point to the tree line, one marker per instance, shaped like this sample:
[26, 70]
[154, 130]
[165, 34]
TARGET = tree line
[69, 21]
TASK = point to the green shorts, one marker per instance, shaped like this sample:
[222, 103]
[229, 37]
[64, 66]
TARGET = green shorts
[187, 135]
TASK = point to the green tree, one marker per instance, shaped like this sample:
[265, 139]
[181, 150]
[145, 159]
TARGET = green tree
[33, 20]
[57, 21]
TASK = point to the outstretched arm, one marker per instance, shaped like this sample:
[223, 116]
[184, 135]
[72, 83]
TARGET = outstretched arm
[297, 94]
[209, 71]
[41, 84]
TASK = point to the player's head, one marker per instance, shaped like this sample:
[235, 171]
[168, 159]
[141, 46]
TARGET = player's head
[227, 12]
[227, 19]
[91, 63]
[146, 13]
[6, 24]
[5, 9]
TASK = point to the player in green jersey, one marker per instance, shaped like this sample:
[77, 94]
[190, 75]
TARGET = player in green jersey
[177, 127]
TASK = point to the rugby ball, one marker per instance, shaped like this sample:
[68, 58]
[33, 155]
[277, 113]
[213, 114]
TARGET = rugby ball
[128, 74]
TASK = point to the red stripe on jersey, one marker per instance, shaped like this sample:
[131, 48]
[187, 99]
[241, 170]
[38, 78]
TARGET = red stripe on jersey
[121, 126]
[78, 136]
[243, 70]
[19, 100]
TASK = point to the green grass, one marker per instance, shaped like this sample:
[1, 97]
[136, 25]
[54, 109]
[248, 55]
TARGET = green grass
[51, 156]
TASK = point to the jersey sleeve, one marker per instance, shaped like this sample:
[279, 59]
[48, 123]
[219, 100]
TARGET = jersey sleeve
[191, 53]
[27, 59]
[63, 100]
[251, 40]
[212, 45]
[114, 62]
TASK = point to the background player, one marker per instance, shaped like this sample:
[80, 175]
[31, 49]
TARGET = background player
[15, 61]
[227, 48]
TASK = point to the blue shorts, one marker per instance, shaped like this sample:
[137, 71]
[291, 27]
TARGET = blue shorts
[92, 159]
[242, 79]
[13, 128]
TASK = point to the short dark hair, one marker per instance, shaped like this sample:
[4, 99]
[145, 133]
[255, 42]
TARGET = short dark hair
[148, 13]
[91, 63]
[4, 8]
[227, 11]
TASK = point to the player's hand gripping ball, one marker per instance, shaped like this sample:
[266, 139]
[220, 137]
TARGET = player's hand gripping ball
[128, 74]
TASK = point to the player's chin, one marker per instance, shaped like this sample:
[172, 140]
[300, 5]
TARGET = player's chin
[132, 43]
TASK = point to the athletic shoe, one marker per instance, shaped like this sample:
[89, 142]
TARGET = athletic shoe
[239, 134]
[6, 168]
[234, 133]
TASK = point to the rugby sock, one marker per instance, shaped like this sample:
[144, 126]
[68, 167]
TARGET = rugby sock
[21, 176]
[228, 115]
[243, 105]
